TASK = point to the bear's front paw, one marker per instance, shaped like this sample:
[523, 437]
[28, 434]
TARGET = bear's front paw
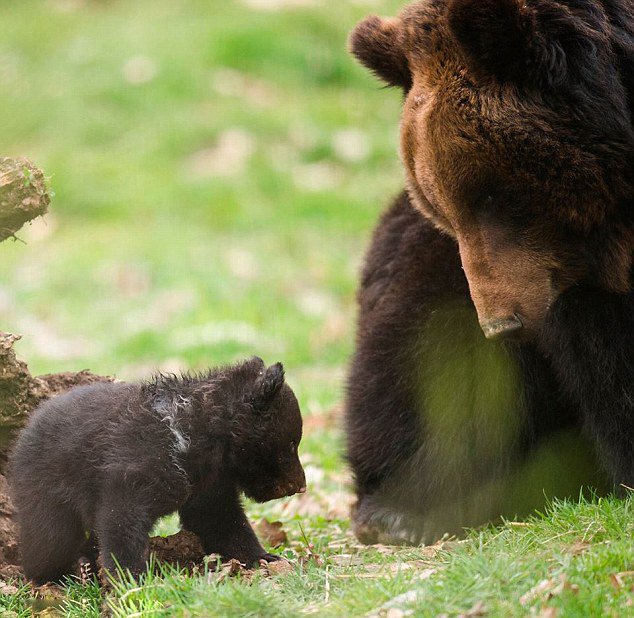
[373, 522]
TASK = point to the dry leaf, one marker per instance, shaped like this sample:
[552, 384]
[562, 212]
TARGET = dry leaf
[578, 547]
[397, 613]
[271, 532]
[426, 573]
[279, 567]
[310, 557]
[617, 579]
[49, 592]
[228, 569]
[47, 600]
[542, 588]
[8, 589]
[548, 588]
[346, 560]
[397, 603]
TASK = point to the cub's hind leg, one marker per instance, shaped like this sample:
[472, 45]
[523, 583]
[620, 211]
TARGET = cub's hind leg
[51, 536]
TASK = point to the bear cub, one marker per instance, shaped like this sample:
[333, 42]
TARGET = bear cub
[97, 466]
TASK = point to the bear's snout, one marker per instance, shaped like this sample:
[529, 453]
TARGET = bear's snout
[502, 328]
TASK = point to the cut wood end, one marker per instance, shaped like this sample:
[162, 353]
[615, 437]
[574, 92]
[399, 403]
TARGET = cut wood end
[23, 195]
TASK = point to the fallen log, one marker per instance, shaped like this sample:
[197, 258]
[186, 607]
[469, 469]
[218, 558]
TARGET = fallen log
[23, 195]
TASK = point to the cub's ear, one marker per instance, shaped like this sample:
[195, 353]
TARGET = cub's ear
[378, 44]
[256, 362]
[504, 39]
[266, 386]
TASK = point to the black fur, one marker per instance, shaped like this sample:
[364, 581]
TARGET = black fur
[109, 459]
[589, 338]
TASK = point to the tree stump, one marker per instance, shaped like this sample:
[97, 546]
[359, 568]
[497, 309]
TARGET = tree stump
[23, 195]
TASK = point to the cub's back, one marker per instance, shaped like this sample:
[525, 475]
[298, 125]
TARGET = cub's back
[61, 446]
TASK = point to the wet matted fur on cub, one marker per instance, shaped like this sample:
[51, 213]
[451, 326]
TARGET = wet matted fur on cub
[107, 460]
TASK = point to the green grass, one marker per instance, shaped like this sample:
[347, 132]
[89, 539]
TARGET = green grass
[576, 560]
[217, 172]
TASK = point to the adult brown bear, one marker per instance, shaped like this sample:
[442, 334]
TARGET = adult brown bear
[517, 222]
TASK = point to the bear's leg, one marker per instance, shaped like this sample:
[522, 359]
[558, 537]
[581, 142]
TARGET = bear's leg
[217, 517]
[410, 270]
[50, 538]
[589, 337]
[123, 524]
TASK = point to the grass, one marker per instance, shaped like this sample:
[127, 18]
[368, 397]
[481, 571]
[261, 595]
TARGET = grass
[218, 167]
[575, 560]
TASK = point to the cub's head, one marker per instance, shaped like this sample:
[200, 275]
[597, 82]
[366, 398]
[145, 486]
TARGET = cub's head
[517, 141]
[266, 435]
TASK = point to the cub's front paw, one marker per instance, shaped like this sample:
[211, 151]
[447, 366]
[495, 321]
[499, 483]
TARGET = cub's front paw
[255, 560]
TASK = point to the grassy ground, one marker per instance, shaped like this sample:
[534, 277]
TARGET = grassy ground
[218, 166]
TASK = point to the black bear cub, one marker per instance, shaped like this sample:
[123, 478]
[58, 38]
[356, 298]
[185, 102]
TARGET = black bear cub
[97, 466]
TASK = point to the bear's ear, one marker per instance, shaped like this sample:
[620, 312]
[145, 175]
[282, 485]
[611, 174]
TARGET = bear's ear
[378, 45]
[266, 386]
[503, 39]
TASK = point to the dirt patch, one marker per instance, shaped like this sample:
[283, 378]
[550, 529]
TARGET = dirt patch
[182, 549]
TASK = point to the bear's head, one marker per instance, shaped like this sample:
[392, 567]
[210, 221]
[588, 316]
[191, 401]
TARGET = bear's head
[266, 434]
[517, 140]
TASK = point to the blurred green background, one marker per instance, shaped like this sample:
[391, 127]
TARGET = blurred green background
[217, 169]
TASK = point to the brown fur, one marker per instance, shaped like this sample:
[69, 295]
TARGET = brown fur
[518, 145]
[483, 150]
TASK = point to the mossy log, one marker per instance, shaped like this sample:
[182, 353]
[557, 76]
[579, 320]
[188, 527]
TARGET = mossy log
[23, 195]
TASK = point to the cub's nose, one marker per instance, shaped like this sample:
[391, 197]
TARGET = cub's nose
[502, 328]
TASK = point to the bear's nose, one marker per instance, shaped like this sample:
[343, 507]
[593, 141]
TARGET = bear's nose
[502, 328]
